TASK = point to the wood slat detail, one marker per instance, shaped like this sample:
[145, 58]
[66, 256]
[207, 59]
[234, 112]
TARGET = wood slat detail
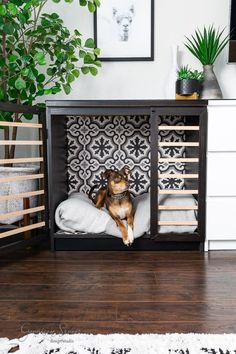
[21, 125]
[178, 127]
[176, 159]
[177, 207]
[161, 144]
[21, 229]
[20, 178]
[22, 160]
[22, 212]
[178, 223]
[177, 175]
[21, 142]
[21, 195]
[177, 191]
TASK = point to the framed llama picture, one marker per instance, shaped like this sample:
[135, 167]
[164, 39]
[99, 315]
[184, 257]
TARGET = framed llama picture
[124, 30]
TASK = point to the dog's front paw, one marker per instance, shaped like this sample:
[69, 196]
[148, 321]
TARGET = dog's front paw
[130, 235]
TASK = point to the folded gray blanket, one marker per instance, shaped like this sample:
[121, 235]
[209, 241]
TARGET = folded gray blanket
[78, 213]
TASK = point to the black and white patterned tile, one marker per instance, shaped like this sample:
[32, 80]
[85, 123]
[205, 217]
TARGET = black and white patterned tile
[96, 143]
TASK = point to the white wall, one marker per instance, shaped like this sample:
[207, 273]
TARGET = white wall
[173, 20]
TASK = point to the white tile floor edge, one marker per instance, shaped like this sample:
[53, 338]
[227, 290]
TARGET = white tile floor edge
[122, 344]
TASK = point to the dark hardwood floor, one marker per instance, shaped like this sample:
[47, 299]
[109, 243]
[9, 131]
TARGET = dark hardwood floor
[107, 292]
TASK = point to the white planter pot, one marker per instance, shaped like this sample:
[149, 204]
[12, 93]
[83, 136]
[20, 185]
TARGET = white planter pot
[7, 188]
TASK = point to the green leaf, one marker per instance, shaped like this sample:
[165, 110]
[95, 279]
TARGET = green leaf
[89, 43]
[25, 72]
[98, 63]
[32, 88]
[67, 89]
[70, 78]
[8, 28]
[22, 18]
[12, 58]
[23, 95]
[97, 51]
[1, 93]
[85, 70]
[51, 71]
[91, 6]
[93, 70]
[28, 116]
[40, 78]
[40, 58]
[56, 1]
[3, 10]
[76, 72]
[26, 58]
[83, 2]
[31, 75]
[12, 9]
[88, 59]
[20, 84]
[77, 33]
[13, 93]
[97, 2]
[55, 90]
[82, 53]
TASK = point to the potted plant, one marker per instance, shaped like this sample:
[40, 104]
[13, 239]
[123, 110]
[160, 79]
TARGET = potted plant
[38, 56]
[206, 46]
[188, 81]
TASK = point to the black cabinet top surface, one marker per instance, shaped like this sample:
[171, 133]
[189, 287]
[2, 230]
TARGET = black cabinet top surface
[126, 103]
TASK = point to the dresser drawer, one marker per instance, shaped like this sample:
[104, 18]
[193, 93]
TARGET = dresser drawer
[221, 221]
[221, 174]
[221, 128]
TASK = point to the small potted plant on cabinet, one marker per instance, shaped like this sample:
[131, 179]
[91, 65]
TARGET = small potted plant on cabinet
[188, 83]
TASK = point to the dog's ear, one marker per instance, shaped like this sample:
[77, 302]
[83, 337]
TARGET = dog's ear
[106, 174]
[114, 11]
[132, 9]
[126, 171]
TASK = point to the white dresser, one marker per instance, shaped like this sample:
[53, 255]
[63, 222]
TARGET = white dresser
[221, 176]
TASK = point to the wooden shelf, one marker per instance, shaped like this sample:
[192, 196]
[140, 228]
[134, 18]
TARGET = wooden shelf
[22, 212]
[21, 125]
[20, 142]
[166, 144]
[177, 207]
[178, 191]
[21, 160]
[178, 127]
[21, 178]
[177, 159]
[22, 229]
[177, 175]
[21, 195]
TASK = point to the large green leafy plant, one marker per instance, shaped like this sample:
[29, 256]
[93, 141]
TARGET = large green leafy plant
[206, 45]
[39, 56]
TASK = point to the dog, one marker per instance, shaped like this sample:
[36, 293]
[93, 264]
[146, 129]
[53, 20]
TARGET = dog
[123, 18]
[117, 200]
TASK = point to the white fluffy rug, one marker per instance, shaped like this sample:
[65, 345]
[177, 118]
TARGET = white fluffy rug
[122, 344]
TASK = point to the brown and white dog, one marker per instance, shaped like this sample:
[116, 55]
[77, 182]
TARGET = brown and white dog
[117, 200]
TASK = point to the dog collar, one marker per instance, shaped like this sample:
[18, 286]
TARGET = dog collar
[118, 196]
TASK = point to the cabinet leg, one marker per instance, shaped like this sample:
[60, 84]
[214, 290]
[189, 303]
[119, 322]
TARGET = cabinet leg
[206, 246]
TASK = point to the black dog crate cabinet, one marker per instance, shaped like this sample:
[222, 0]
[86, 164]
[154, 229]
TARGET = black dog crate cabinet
[162, 141]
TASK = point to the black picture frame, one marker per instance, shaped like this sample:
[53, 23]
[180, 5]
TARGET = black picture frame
[232, 42]
[129, 58]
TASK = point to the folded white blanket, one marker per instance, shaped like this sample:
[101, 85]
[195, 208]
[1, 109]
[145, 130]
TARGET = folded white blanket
[78, 213]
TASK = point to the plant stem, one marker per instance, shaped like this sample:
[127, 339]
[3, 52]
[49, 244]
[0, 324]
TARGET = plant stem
[6, 149]
[14, 133]
[4, 86]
